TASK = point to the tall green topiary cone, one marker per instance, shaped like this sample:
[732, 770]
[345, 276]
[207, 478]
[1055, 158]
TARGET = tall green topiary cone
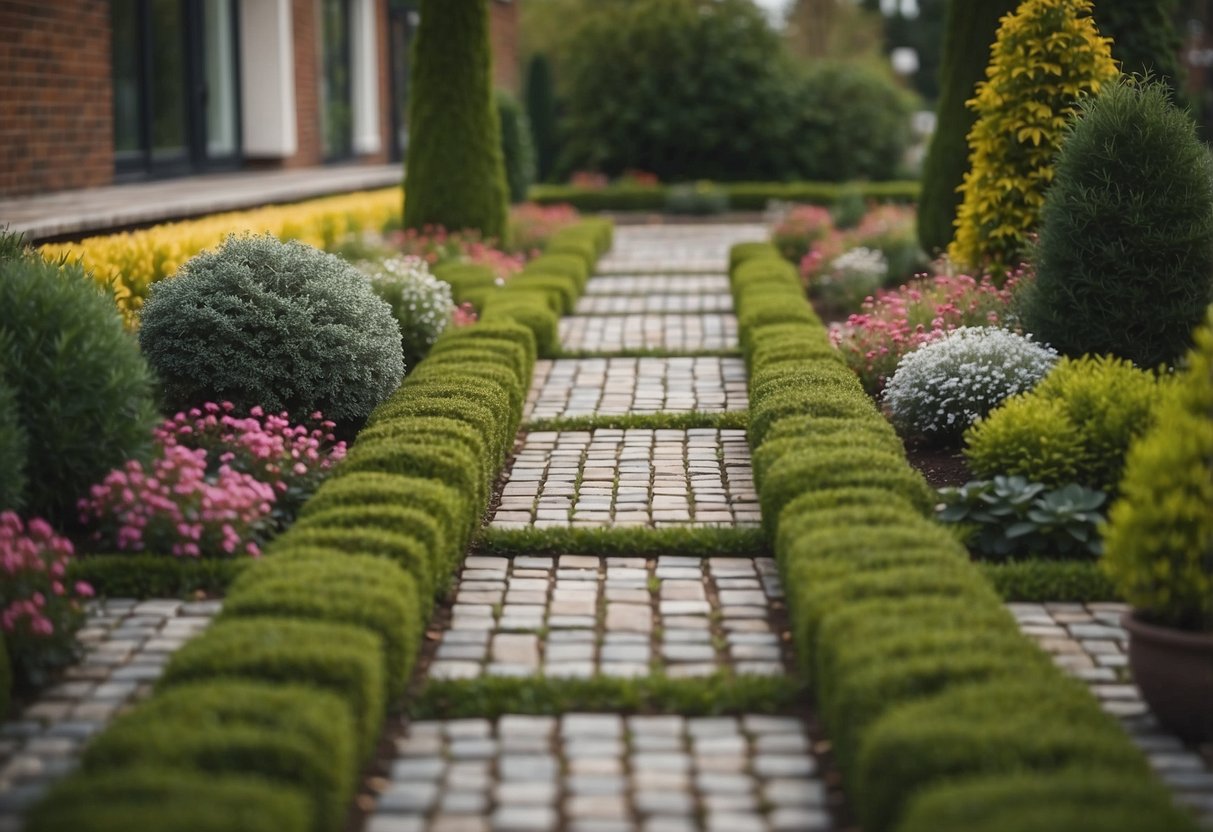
[1144, 36]
[970, 29]
[517, 146]
[1125, 263]
[541, 110]
[454, 176]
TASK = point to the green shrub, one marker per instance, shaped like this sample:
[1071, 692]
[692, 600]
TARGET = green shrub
[1144, 36]
[280, 325]
[462, 354]
[573, 266]
[638, 97]
[1046, 56]
[581, 246]
[123, 575]
[438, 429]
[467, 409]
[442, 502]
[811, 470]
[454, 174]
[1031, 802]
[831, 403]
[288, 734]
[541, 110]
[517, 147]
[743, 252]
[14, 447]
[774, 377]
[402, 548]
[968, 33]
[421, 303]
[153, 800]
[494, 332]
[530, 309]
[563, 288]
[1075, 426]
[6, 681]
[696, 199]
[880, 536]
[1038, 581]
[990, 728]
[776, 448]
[1125, 264]
[852, 122]
[362, 591]
[81, 392]
[346, 660]
[465, 278]
[412, 521]
[450, 465]
[1160, 534]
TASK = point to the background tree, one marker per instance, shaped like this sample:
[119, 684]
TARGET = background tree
[541, 110]
[455, 176]
[968, 34]
[1144, 37]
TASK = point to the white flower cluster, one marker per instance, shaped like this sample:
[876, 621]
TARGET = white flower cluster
[941, 388]
[851, 277]
[421, 302]
[860, 263]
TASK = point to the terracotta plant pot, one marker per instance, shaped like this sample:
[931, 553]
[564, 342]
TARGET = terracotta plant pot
[1174, 669]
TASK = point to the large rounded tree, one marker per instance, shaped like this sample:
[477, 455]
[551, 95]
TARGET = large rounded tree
[970, 29]
[454, 176]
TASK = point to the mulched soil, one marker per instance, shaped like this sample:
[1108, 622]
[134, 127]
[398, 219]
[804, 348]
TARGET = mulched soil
[942, 467]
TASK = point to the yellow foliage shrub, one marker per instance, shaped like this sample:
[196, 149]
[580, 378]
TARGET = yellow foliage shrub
[1046, 55]
[130, 262]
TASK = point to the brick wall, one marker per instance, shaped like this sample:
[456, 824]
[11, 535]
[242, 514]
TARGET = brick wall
[307, 85]
[504, 37]
[56, 127]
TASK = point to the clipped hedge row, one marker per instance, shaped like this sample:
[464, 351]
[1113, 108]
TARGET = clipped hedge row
[742, 196]
[263, 721]
[924, 681]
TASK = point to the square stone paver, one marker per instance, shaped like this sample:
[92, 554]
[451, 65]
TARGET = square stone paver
[654, 249]
[1088, 642]
[606, 771]
[677, 333]
[576, 616]
[655, 304]
[659, 284]
[609, 478]
[616, 386]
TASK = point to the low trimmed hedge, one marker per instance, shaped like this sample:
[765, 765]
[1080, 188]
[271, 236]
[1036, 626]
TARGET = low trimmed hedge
[742, 196]
[155, 800]
[923, 678]
[263, 722]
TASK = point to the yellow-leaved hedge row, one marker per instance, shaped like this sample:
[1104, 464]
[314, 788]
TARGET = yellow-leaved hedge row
[128, 263]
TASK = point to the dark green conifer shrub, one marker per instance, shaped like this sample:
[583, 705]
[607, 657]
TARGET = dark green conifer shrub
[454, 176]
[1125, 264]
[81, 392]
[517, 146]
[541, 110]
[1144, 36]
[967, 38]
[280, 325]
[14, 445]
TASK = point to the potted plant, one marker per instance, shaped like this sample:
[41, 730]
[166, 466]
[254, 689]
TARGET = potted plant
[1159, 551]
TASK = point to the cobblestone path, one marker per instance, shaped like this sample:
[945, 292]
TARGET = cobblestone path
[127, 644]
[580, 617]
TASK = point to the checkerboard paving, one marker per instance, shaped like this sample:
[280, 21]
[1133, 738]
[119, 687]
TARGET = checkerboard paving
[656, 478]
[576, 616]
[617, 386]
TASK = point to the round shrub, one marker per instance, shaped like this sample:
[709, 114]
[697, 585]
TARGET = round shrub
[1160, 534]
[280, 325]
[1075, 426]
[853, 122]
[940, 389]
[82, 393]
[1125, 264]
[421, 303]
[517, 148]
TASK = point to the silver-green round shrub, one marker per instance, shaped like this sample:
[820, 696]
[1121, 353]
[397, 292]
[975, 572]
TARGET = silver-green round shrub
[942, 387]
[280, 325]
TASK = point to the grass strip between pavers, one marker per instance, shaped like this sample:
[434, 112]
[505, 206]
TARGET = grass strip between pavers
[731, 420]
[707, 541]
[490, 697]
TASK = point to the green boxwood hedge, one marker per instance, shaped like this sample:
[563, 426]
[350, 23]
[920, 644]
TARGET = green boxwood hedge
[743, 196]
[923, 679]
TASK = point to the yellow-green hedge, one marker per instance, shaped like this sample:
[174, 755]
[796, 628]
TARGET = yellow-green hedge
[129, 262]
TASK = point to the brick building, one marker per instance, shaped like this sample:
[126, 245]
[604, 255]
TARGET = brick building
[97, 92]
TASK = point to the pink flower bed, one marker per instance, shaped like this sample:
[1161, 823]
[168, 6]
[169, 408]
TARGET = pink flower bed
[531, 225]
[40, 608]
[900, 320]
[219, 485]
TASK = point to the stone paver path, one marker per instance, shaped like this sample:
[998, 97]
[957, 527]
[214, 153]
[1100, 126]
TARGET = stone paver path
[655, 249]
[618, 386]
[658, 284]
[580, 615]
[127, 646]
[654, 304]
[630, 478]
[1088, 642]
[593, 772]
[671, 333]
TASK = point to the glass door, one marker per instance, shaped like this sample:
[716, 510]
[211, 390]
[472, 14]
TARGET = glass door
[336, 92]
[402, 24]
[175, 78]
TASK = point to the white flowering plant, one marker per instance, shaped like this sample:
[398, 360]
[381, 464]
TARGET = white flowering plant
[421, 302]
[942, 387]
[851, 276]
